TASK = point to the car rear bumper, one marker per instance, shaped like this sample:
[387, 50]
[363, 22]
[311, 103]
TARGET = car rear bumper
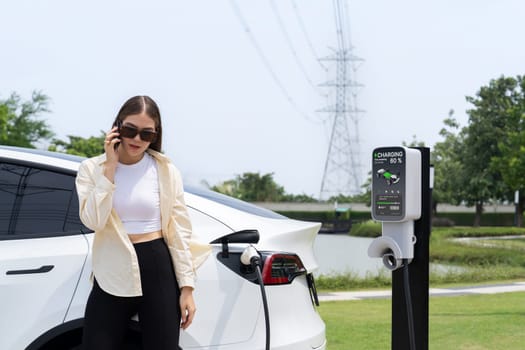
[295, 323]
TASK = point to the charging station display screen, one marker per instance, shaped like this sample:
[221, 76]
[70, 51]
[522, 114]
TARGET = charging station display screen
[388, 183]
[388, 205]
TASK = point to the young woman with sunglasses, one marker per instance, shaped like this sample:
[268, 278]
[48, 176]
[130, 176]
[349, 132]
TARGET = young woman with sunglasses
[143, 257]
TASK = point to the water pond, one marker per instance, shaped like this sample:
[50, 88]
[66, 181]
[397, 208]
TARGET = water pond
[342, 254]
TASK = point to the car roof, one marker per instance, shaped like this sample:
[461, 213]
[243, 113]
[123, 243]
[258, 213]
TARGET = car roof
[50, 159]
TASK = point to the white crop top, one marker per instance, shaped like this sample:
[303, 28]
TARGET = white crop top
[137, 197]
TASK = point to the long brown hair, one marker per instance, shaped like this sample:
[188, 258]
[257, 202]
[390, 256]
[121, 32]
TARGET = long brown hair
[142, 104]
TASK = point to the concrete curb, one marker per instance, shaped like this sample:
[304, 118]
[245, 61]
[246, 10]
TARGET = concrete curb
[382, 294]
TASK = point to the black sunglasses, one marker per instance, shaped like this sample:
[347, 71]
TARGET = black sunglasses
[130, 132]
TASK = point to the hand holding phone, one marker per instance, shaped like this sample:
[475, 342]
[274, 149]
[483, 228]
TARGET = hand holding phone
[115, 146]
[112, 142]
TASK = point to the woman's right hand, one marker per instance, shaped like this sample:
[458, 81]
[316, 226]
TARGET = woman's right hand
[111, 146]
[110, 142]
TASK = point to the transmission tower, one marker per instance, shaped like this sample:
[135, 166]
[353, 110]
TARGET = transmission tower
[342, 171]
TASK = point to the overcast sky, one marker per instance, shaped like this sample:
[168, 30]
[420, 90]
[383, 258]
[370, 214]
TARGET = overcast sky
[223, 112]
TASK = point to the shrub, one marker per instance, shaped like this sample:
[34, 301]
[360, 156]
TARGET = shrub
[368, 228]
[442, 222]
[318, 216]
[360, 216]
[470, 231]
[350, 280]
[487, 219]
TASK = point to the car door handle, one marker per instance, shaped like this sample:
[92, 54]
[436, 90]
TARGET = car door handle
[41, 269]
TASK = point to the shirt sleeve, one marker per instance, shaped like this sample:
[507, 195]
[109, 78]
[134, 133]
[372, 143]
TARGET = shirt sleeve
[183, 230]
[95, 195]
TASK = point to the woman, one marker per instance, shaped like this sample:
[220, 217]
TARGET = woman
[132, 197]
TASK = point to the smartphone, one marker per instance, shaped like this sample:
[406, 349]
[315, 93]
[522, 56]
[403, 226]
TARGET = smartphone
[118, 125]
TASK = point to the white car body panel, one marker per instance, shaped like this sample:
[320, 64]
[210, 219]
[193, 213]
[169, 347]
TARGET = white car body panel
[78, 304]
[223, 319]
[230, 317]
[293, 317]
[35, 303]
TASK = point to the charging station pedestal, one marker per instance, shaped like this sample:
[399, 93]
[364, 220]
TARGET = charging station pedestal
[401, 200]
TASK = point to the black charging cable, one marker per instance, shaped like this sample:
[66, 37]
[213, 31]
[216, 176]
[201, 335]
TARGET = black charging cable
[257, 263]
[408, 301]
[251, 257]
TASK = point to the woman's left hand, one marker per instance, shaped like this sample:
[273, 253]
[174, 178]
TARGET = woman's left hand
[187, 307]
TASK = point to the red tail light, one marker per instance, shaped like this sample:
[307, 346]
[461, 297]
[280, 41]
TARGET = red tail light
[281, 268]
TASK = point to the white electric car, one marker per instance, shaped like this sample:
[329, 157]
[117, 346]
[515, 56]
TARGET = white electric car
[45, 264]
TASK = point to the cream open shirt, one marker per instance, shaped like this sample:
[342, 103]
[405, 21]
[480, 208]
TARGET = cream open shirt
[115, 264]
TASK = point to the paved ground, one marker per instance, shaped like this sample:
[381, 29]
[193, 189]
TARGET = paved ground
[489, 289]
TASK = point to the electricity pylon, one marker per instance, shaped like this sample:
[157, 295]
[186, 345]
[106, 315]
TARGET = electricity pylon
[342, 171]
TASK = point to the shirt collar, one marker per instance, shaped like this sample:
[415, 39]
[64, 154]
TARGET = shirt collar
[157, 155]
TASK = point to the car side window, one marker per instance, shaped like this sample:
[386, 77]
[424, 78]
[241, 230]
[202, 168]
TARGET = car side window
[36, 202]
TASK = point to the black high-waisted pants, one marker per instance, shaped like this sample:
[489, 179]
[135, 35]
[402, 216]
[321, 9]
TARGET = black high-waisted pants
[107, 316]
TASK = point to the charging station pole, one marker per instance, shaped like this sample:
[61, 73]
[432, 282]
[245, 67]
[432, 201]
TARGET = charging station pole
[418, 271]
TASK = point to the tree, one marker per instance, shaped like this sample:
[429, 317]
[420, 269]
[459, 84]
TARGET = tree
[492, 118]
[80, 146]
[20, 124]
[229, 188]
[511, 164]
[414, 143]
[448, 165]
[253, 187]
[510, 160]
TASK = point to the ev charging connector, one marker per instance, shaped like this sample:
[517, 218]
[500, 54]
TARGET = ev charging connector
[396, 202]
[251, 257]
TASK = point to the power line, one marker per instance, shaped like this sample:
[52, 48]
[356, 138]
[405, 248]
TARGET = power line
[266, 62]
[306, 36]
[348, 28]
[339, 26]
[275, 10]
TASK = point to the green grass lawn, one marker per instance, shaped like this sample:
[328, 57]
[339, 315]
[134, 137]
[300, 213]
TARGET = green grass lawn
[473, 322]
